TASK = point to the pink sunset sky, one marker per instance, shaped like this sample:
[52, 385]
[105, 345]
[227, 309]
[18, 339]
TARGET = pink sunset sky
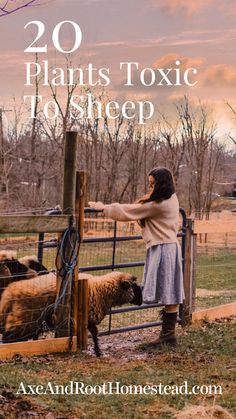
[154, 33]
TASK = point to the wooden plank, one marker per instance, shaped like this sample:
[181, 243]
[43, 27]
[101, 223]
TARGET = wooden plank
[82, 314]
[75, 291]
[212, 313]
[188, 290]
[81, 300]
[69, 173]
[202, 226]
[83, 286]
[82, 180]
[33, 223]
[63, 310]
[37, 347]
[194, 271]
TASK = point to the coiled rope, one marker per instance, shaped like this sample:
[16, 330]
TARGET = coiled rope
[66, 261]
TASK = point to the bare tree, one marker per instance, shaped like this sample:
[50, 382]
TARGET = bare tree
[234, 116]
[171, 143]
[8, 7]
[117, 155]
[116, 145]
[201, 154]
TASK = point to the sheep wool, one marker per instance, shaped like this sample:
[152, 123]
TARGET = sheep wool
[5, 277]
[107, 291]
[24, 303]
[32, 263]
[12, 269]
[7, 254]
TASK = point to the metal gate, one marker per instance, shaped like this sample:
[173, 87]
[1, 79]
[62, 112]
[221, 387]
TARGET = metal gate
[114, 239]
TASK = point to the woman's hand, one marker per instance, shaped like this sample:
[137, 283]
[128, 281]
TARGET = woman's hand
[97, 205]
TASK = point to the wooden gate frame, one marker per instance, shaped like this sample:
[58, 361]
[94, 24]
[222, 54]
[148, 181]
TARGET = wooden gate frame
[73, 210]
[189, 272]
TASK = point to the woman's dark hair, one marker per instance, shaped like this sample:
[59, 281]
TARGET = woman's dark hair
[163, 186]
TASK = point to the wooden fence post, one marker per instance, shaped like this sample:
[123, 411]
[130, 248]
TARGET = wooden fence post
[193, 270]
[189, 272]
[80, 285]
[62, 314]
[69, 181]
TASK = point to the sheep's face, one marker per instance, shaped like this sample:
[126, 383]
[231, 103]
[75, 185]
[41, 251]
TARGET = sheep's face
[4, 271]
[138, 299]
[125, 288]
[125, 294]
[32, 263]
[18, 270]
[5, 277]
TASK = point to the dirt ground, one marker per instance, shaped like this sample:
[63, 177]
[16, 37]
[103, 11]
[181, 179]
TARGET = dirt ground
[203, 293]
[125, 348]
[20, 408]
[220, 229]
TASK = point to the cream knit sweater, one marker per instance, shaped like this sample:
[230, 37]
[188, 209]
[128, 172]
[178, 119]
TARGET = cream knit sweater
[161, 219]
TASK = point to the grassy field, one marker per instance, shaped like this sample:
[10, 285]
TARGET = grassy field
[204, 356]
[215, 271]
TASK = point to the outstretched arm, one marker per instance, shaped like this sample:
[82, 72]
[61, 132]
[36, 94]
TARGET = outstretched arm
[97, 205]
[126, 212]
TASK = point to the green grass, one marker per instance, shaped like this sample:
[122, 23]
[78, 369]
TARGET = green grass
[204, 356]
[214, 272]
[217, 271]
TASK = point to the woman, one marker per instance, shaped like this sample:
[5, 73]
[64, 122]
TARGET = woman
[158, 216]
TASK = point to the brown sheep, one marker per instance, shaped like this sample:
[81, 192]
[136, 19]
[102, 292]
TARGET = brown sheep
[32, 263]
[12, 269]
[25, 305]
[5, 277]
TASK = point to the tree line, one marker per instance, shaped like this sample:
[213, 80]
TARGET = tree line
[117, 156]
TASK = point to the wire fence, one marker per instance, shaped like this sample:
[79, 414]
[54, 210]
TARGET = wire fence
[107, 246]
[110, 245]
[215, 269]
[22, 304]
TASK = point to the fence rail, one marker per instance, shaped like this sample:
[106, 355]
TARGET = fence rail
[75, 301]
[33, 223]
[114, 239]
[70, 319]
